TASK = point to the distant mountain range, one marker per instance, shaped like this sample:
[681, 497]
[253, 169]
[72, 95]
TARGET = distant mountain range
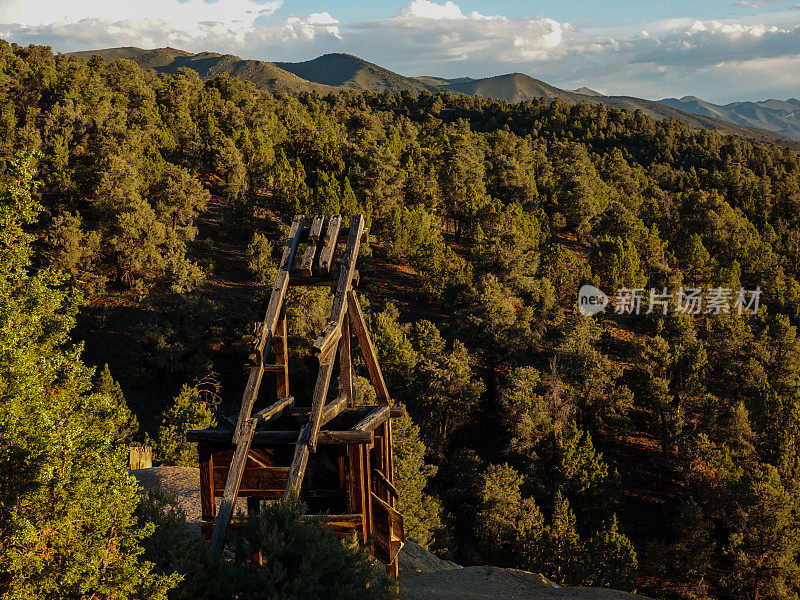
[779, 116]
[771, 120]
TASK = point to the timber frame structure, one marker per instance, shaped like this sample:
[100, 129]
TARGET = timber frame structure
[335, 456]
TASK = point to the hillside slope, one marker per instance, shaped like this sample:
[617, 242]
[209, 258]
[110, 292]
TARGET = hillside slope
[210, 64]
[338, 71]
[351, 72]
[518, 87]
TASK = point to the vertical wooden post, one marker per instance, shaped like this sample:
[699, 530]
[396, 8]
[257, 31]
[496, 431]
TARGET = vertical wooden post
[345, 362]
[389, 460]
[207, 507]
[232, 484]
[393, 569]
[355, 498]
[367, 485]
[254, 507]
[280, 342]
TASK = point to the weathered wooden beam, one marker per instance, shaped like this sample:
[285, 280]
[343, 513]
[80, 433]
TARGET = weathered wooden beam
[281, 438]
[359, 324]
[269, 324]
[329, 245]
[346, 362]
[312, 245]
[282, 357]
[319, 398]
[331, 410]
[373, 418]
[345, 518]
[332, 280]
[386, 483]
[208, 509]
[333, 328]
[299, 463]
[265, 415]
[345, 436]
[357, 492]
[330, 343]
[232, 484]
[343, 233]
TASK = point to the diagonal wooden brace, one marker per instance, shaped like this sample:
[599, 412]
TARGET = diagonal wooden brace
[269, 326]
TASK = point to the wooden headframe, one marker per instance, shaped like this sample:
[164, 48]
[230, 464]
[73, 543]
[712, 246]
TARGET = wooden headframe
[321, 238]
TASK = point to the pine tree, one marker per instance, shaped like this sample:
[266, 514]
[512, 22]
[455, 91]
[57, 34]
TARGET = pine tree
[421, 512]
[67, 528]
[259, 258]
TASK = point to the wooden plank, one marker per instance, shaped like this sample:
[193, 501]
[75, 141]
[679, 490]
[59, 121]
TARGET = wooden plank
[318, 400]
[343, 233]
[356, 492]
[330, 344]
[367, 507]
[299, 462]
[359, 324]
[386, 483]
[377, 416]
[281, 358]
[208, 508]
[254, 479]
[388, 530]
[346, 363]
[346, 436]
[232, 486]
[269, 325]
[283, 438]
[332, 409]
[333, 328]
[265, 415]
[311, 246]
[329, 244]
[346, 518]
[331, 280]
[140, 457]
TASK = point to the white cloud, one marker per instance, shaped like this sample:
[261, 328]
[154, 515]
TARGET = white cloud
[314, 23]
[669, 57]
[423, 9]
[186, 16]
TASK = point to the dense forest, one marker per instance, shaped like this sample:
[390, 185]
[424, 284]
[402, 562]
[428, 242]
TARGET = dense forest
[656, 452]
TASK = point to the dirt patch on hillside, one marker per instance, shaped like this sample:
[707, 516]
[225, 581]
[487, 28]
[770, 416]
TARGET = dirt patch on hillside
[487, 583]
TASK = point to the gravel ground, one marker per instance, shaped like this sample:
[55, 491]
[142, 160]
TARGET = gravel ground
[487, 583]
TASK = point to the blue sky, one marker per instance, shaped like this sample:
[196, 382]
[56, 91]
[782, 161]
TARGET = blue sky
[608, 13]
[720, 50]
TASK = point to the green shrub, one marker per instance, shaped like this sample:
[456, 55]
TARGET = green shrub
[190, 411]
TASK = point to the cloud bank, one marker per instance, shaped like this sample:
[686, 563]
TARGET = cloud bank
[720, 60]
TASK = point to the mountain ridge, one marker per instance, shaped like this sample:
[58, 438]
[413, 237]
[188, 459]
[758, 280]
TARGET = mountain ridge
[338, 71]
[778, 116]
